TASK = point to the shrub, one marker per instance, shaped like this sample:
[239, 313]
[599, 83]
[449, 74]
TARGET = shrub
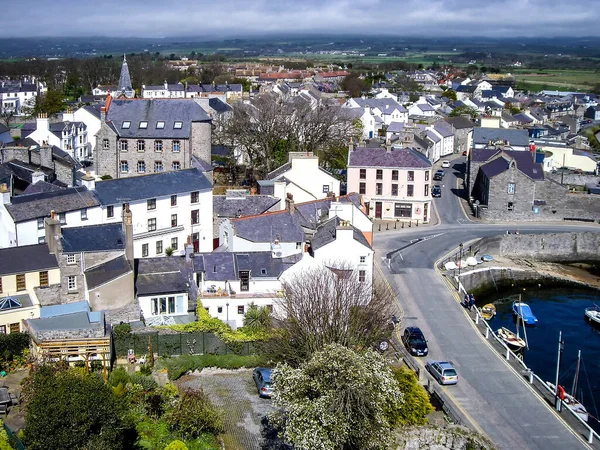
[4, 442]
[416, 400]
[147, 382]
[176, 445]
[178, 366]
[145, 369]
[13, 344]
[194, 414]
[118, 376]
[121, 330]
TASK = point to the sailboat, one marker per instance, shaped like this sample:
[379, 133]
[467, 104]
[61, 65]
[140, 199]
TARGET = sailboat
[592, 315]
[570, 399]
[512, 340]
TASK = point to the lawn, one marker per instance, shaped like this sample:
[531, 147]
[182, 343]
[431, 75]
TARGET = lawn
[564, 79]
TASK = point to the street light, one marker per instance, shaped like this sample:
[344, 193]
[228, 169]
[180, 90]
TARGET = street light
[460, 259]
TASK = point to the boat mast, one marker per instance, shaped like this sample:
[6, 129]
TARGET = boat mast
[561, 346]
[523, 322]
[576, 379]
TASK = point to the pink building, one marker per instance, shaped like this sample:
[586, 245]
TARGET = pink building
[394, 183]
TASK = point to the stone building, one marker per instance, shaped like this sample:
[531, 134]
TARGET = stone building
[463, 133]
[149, 136]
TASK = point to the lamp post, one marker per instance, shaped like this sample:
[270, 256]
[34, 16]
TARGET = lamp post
[227, 305]
[561, 347]
[460, 259]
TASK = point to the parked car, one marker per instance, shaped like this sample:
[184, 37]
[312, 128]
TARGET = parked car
[262, 379]
[439, 175]
[464, 153]
[414, 341]
[443, 371]
[446, 164]
[436, 191]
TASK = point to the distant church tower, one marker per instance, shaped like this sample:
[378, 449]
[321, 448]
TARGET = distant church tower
[125, 89]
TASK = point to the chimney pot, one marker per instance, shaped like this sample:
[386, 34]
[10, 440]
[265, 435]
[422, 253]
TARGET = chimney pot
[53, 214]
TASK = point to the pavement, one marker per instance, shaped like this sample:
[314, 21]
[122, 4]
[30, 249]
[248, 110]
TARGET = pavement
[495, 398]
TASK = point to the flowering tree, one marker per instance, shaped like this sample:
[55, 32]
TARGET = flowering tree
[338, 400]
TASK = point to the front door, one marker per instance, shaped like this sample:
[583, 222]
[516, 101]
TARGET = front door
[425, 209]
[378, 208]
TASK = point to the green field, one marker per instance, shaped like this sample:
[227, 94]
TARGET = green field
[558, 79]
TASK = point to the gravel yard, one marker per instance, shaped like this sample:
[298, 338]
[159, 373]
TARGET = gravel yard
[235, 392]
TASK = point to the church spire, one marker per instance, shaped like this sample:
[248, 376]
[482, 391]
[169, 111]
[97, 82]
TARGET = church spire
[125, 89]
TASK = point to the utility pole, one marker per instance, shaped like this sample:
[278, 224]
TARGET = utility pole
[561, 347]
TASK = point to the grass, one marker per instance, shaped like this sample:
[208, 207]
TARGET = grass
[565, 79]
[176, 367]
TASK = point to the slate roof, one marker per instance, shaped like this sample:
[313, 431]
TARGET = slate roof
[279, 171]
[233, 87]
[269, 226]
[385, 105]
[93, 109]
[424, 107]
[444, 129]
[93, 238]
[515, 137]
[460, 122]
[41, 187]
[161, 276]
[28, 258]
[523, 118]
[3, 128]
[495, 167]
[28, 207]
[226, 266]
[326, 233]
[108, 271]
[112, 192]
[310, 213]
[466, 88]
[219, 105]
[395, 127]
[69, 326]
[379, 157]
[524, 160]
[153, 111]
[248, 205]
[432, 136]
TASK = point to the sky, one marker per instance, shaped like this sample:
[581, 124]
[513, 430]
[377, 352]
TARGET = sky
[226, 18]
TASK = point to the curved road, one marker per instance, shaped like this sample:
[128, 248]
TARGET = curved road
[498, 400]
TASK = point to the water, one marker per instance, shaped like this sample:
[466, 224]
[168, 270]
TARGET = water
[557, 310]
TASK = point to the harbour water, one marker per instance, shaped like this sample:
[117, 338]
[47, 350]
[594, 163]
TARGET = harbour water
[558, 309]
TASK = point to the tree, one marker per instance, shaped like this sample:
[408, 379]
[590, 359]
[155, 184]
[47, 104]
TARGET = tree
[416, 400]
[257, 318]
[321, 306]
[337, 400]
[354, 85]
[7, 116]
[449, 93]
[67, 408]
[51, 103]
[465, 110]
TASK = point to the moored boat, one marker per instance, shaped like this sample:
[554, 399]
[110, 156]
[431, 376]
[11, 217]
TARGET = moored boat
[523, 311]
[488, 311]
[512, 341]
[592, 315]
[570, 401]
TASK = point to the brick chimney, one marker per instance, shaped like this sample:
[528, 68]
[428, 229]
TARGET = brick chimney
[53, 233]
[189, 250]
[128, 230]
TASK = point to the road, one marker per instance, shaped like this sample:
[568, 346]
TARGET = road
[497, 399]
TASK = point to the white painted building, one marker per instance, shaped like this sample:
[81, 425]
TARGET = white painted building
[71, 137]
[90, 116]
[15, 95]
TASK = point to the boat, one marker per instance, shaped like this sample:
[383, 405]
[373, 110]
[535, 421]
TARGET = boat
[573, 404]
[523, 311]
[487, 258]
[488, 311]
[512, 340]
[592, 315]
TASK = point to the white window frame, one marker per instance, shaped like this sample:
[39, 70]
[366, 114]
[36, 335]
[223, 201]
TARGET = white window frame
[72, 283]
[126, 124]
[177, 125]
[160, 125]
[143, 125]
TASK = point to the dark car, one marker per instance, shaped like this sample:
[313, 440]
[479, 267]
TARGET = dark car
[439, 175]
[414, 341]
[436, 191]
[262, 379]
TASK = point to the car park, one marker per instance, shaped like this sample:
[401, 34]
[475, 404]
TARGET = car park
[414, 341]
[443, 371]
[262, 379]
[446, 164]
[439, 175]
[436, 191]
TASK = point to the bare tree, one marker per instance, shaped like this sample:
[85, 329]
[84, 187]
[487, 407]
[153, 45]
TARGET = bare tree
[7, 116]
[329, 305]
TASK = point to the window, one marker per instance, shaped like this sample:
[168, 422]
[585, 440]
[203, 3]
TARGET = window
[298, 245]
[410, 190]
[151, 224]
[325, 188]
[219, 309]
[195, 216]
[158, 146]
[141, 166]
[177, 125]
[511, 206]
[41, 240]
[176, 146]
[151, 204]
[62, 217]
[124, 167]
[160, 125]
[159, 247]
[379, 174]
[511, 188]
[362, 188]
[173, 220]
[363, 259]
[15, 327]
[174, 243]
[363, 174]
[173, 200]
[21, 282]
[427, 175]
[410, 175]
[124, 145]
[362, 275]
[126, 124]
[402, 210]
[44, 279]
[40, 223]
[176, 165]
[171, 305]
[379, 189]
[143, 125]
[84, 214]
[394, 189]
[141, 145]
[158, 166]
[195, 197]
[144, 250]
[110, 211]
[105, 144]
[426, 193]
[71, 282]
[241, 309]
[71, 259]
[2, 329]
[394, 175]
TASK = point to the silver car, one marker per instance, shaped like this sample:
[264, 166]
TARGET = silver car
[443, 371]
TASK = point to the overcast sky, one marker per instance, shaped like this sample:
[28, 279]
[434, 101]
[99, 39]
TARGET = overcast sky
[219, 18]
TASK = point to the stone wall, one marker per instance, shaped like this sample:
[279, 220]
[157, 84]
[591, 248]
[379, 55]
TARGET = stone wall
[201, 141]
[105, 160]
[573, 179]
[450, 438]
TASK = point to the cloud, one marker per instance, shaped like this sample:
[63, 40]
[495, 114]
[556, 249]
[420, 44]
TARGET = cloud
[153, 18]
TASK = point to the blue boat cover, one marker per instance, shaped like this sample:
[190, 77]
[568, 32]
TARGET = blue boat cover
[524, 311]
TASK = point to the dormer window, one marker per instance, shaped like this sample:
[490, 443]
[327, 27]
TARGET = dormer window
[177, 125]
[126, 125]
[143, 125]
[160, 125]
